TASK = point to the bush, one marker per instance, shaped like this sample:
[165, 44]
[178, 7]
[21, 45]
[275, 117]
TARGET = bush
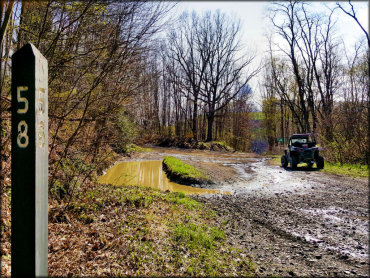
[127, 131]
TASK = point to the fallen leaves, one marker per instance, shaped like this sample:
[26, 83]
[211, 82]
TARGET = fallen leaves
[121, 239]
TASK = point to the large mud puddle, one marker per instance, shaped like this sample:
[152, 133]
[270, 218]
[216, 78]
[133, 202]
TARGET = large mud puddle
[149, 174]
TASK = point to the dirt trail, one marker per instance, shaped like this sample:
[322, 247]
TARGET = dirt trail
[292, 223]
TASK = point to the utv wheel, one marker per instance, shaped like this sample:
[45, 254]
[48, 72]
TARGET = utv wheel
[284, 161]
[320, 162]
[294, 162]
[309, 165]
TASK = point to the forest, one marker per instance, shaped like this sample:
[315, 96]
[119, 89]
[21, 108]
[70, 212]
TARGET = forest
[119, 75]
[122, 75]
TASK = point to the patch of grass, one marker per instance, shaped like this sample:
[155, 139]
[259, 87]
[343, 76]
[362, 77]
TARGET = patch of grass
[137, 200]
[203, 251]
[179, 198]
[182, 172]
[204, 145]
[141, 231]
[222, 143]
[219, 145]
[276, 160]
[196, 237]
[58, 190]
[132, 148]
[353, 170]
[87, 219]
[217, 234]
[79, 207]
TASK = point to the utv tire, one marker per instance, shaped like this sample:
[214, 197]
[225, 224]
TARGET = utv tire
[284, 161]
[309, 165]
[294, 162]
[320, 162]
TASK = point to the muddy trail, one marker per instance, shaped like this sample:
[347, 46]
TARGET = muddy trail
[292, 223]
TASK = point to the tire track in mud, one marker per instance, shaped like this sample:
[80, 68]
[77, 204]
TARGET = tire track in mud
[275, 250]
[304, 222]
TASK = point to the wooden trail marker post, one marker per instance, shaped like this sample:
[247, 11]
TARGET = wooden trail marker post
[29, 239]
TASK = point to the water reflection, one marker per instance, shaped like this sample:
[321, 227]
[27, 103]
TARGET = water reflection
[147, 173]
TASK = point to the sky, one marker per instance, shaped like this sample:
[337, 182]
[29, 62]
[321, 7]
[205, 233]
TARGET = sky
[255, 23]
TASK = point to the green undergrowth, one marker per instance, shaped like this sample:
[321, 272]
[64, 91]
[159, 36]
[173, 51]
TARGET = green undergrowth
[258, 116]
[132, 148]
[181, 172]
[143, 231]
[275, 159]
[353, 170]
[215, 145]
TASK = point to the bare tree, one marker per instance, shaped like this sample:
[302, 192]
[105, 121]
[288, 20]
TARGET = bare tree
[351, 12]
[207, 48]
[319, 51]
[313, 53]
[172, 72]
[185, 47]
[284, 19]
[239, 111]
[6, 8]
[7, 13]
[280, 82]
[95, 51]
[226, 69]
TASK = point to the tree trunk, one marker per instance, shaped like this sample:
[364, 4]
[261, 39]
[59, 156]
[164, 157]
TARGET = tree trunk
[282, 134]
[195, 114]
[210, 118]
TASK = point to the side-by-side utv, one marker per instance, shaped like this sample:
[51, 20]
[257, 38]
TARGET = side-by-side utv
[302, 149]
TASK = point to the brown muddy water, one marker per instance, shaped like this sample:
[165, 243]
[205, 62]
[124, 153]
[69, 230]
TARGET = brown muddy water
[147, 173]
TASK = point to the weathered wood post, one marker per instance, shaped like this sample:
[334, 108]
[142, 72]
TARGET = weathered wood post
[29, 240]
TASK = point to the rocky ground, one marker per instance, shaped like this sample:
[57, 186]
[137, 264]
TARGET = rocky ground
[292, 223]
